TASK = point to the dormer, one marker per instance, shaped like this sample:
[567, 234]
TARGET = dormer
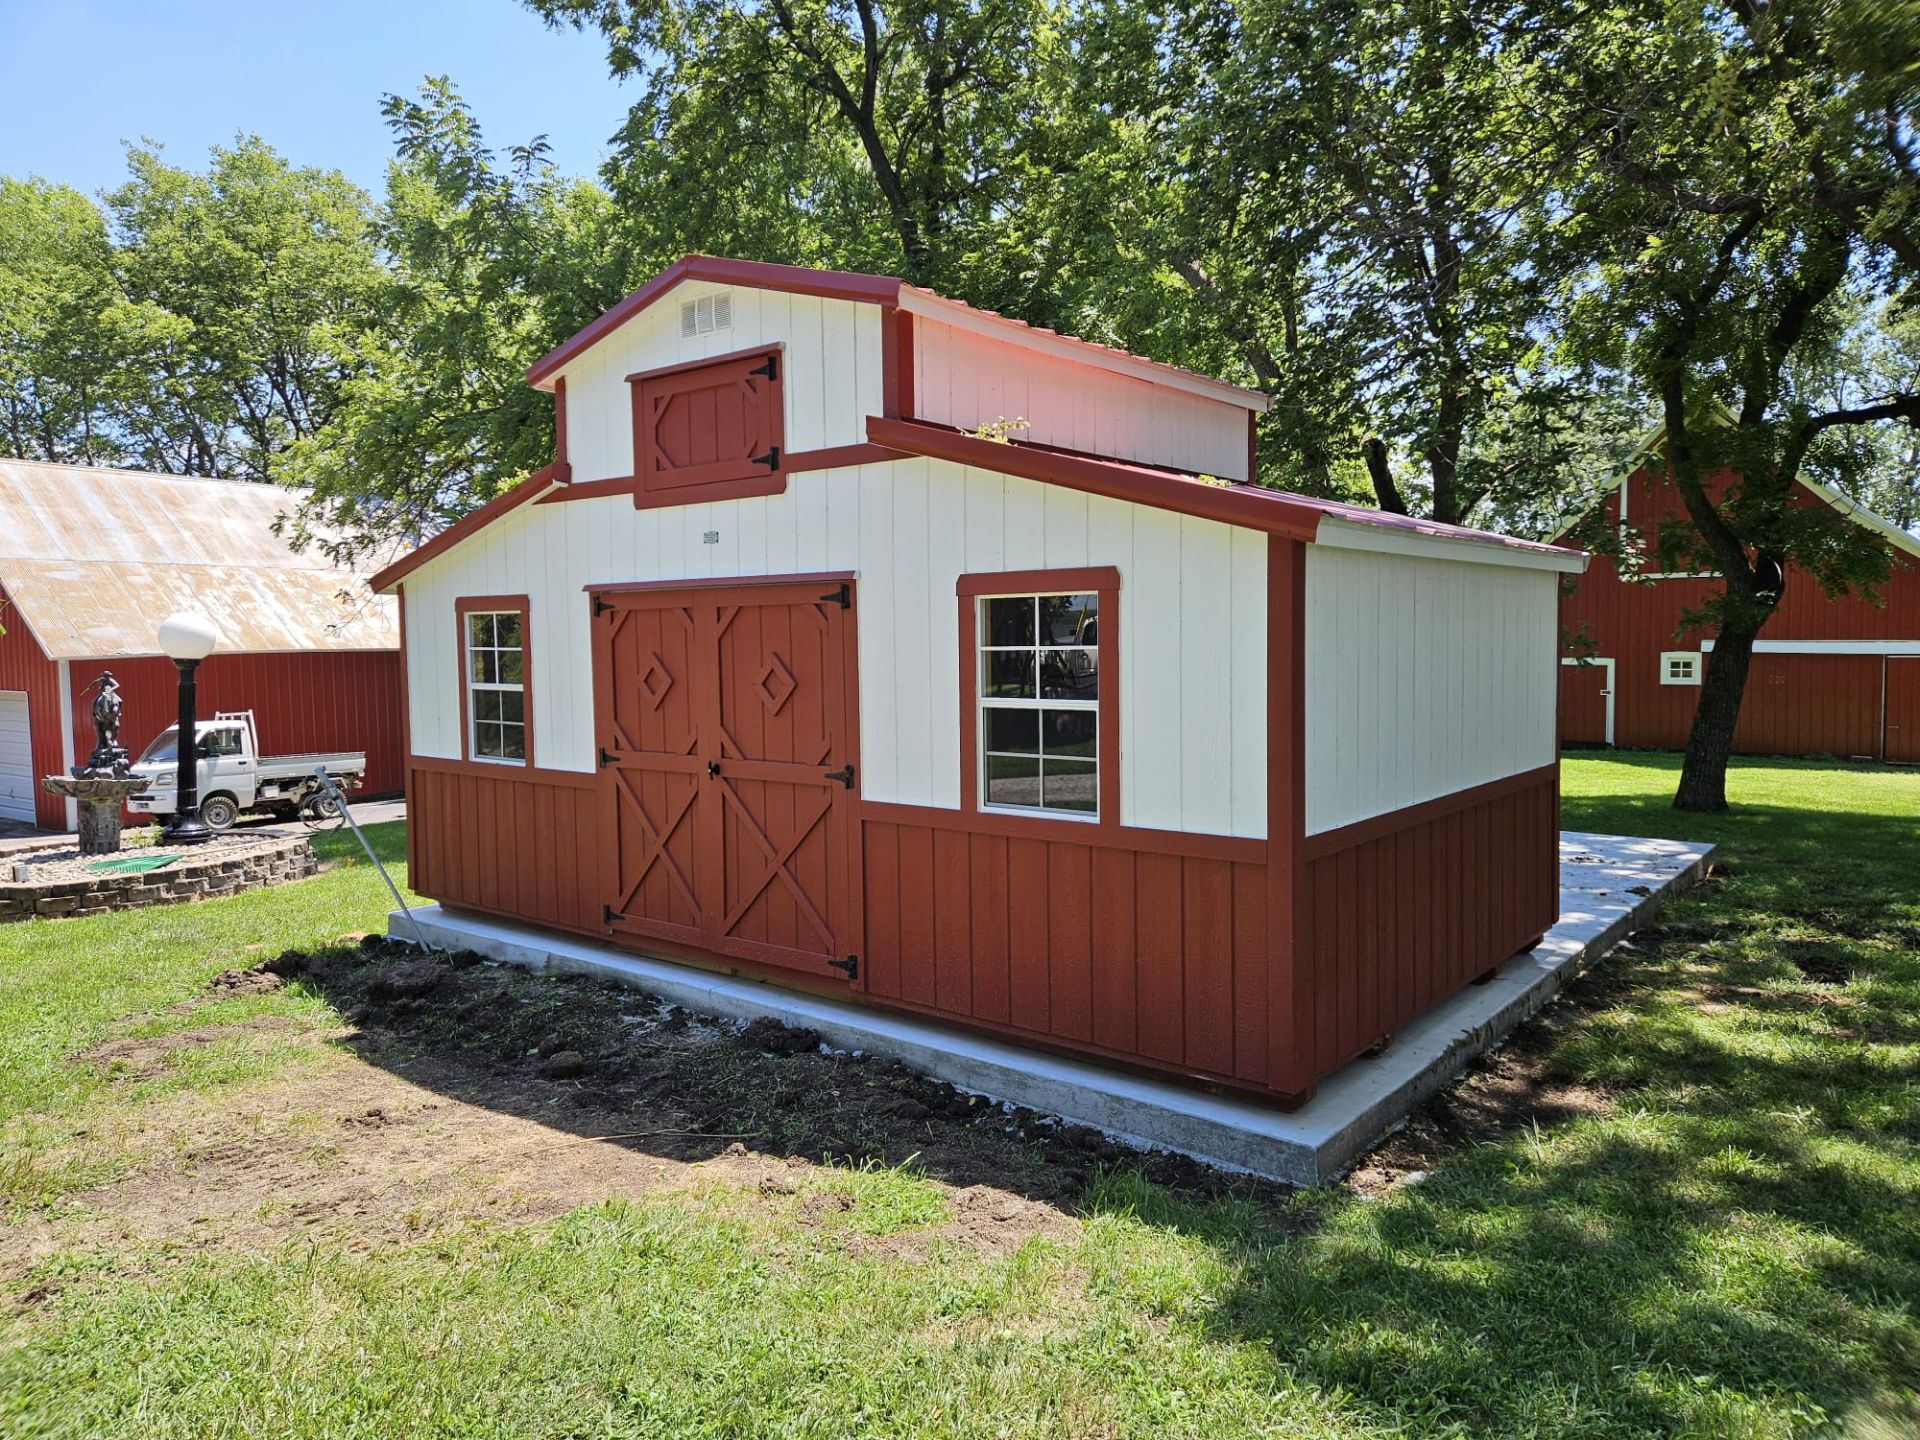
[720, 378]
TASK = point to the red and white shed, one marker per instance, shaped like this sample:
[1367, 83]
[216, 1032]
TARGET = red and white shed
[795, 663]
[91, 559]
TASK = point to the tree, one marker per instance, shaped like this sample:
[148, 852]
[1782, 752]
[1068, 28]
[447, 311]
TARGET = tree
[57, 344]
[1368, 194]
[1878, 354]
[232, 284]
[1753, 183]
[486, 268]
[885, 133]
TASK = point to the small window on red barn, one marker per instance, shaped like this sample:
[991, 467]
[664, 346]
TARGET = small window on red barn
[709, 430]
[1679, 667]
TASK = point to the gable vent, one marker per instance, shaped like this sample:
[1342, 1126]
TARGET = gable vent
[706, 315]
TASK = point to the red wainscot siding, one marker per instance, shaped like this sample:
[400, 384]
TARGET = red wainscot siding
[23, 666]
[301, 701]
[1146, 946]
[1397, 913]
[519, 843]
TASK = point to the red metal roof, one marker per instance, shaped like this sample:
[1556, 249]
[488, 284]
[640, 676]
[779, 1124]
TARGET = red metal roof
[1278, 511]
[866, 289]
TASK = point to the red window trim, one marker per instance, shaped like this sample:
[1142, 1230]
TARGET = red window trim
[467, 605]
[774, 482]
[1102, 580]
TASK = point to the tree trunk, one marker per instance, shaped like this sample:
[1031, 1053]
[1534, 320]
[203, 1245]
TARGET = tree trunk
[1386, 490]
[1703, 774]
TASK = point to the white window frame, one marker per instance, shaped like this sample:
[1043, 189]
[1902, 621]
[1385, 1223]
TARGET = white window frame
[983, 703]
[1694, 665]
[474, 687]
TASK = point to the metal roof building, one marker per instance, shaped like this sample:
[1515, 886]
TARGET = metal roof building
[91, 559]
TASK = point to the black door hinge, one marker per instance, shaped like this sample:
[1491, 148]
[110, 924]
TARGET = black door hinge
[600, 607]
[770, 368]
[605, 758]
[844, 775]
[771, 459]
[851, 965]
[843, 597]
[608, 915]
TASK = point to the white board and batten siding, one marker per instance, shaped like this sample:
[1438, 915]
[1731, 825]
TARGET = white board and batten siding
[1192, 623]
[16, 758]
[1424, 677]
[966, 379]
[831, 378]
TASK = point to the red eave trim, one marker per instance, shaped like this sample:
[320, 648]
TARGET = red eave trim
[758, 274]
[528, 489]
[1265, 510]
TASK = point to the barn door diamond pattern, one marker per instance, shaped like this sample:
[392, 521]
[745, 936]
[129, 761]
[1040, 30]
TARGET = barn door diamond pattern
[774, 684]
[723, 713]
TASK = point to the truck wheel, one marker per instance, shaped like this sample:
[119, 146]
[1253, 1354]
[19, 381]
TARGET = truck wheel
[218, 812]
[322, 811]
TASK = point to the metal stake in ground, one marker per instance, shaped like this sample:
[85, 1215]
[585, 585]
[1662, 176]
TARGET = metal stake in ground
[326, 782]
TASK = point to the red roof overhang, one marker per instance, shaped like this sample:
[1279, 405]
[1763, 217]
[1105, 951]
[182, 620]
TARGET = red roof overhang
[792, 279]
[1275, 511]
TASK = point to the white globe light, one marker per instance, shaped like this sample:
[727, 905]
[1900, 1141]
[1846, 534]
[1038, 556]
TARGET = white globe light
[188, 635]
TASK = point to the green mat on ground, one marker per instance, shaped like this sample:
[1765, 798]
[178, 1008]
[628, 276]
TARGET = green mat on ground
[133, 864]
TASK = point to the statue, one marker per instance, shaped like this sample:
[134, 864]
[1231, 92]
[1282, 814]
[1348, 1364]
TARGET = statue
[102, 785]
[109, 756]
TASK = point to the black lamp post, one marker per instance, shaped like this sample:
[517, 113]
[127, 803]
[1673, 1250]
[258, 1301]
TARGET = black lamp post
[188, 638]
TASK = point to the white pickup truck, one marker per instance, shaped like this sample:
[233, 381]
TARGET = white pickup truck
[233, 776]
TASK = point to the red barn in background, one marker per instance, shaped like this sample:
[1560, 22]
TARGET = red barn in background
[92, 559]
[1830, 677]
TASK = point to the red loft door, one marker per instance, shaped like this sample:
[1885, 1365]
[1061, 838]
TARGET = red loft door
[726, 725]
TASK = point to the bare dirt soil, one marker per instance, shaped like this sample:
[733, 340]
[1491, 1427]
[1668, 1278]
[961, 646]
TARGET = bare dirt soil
[459, 1091]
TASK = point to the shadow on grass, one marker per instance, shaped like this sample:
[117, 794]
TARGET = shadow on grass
[1734, 1250]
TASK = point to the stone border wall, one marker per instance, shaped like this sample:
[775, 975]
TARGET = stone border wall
[271, 863]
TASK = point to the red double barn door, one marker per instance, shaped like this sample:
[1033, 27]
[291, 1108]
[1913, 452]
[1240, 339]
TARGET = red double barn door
[726, 721]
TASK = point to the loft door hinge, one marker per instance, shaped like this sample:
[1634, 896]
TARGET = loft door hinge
[608, 915]
[770, 368]
[844, 775]
[771, 459]
[601, 607]
[851, 965]
[843, 597]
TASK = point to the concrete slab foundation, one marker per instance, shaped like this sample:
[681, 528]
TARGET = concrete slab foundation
[1609, 885]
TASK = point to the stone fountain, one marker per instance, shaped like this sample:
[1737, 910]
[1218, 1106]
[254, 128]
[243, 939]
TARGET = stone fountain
[102, 785]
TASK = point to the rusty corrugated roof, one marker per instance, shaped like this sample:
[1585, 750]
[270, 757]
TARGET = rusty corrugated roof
[93, 558]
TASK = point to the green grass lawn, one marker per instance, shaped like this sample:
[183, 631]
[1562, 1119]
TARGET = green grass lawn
[1731, 1248]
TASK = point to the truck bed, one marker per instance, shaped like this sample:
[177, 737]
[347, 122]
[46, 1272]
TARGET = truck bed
[284, 767]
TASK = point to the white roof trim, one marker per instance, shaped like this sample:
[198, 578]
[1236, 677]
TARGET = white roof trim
[1900, 539]
[1830, 647]
[1080, 352]
[1350, 535]
[1853, 510]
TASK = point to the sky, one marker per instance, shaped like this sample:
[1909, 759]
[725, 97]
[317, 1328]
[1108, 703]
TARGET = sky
[307, 76]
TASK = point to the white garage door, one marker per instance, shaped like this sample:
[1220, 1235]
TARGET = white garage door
[16, 758]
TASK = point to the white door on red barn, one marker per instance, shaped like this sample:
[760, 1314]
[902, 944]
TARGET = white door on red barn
[16, 758]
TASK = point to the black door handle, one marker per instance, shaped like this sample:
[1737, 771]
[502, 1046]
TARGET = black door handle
[713, 767]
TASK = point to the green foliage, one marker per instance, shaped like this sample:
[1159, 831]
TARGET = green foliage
[239, 278]
[56, 301]
[487, 265]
